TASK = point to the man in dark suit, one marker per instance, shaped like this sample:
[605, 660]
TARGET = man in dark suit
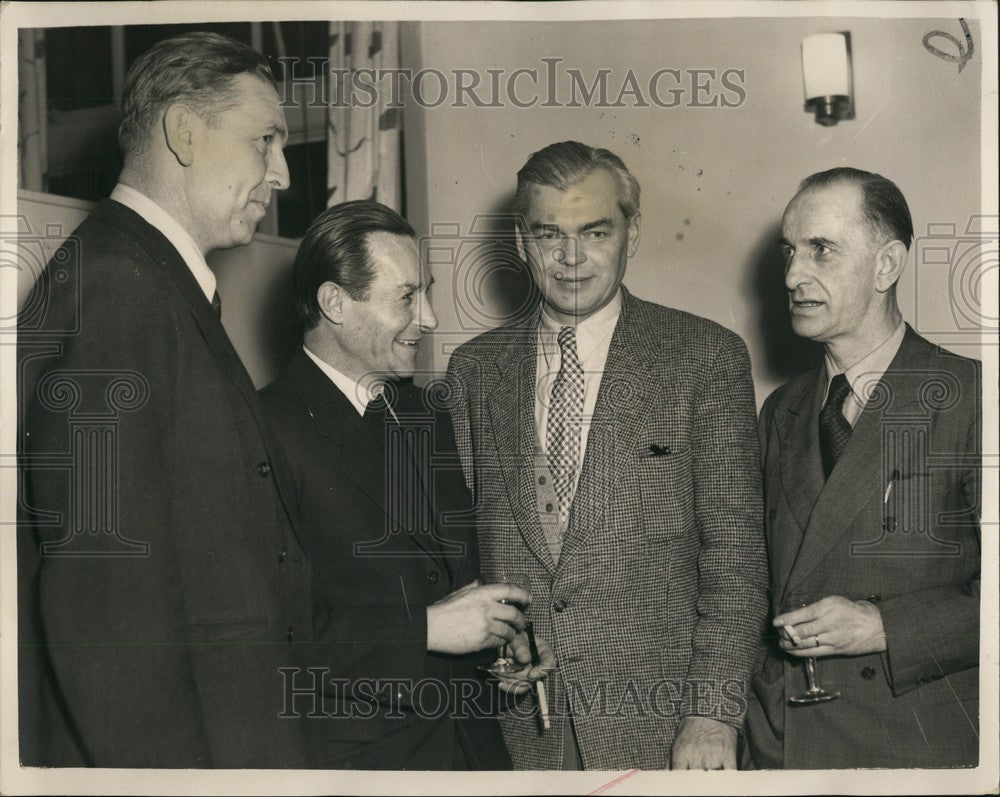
[611, 446]
[160, 580]
[385, 516]
[872, 498]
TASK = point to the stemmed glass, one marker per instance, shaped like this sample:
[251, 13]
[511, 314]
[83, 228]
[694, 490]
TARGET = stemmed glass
[505, 664]
[814, 692]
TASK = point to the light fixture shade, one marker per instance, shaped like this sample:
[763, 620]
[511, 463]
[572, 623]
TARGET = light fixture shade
[826, 71]
[825, 65]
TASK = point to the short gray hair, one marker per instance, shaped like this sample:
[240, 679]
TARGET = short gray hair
[195, 68]
[564, 164]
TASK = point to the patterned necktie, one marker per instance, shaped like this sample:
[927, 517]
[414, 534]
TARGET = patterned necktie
[834, 430]
[217, 305]
[562, 443]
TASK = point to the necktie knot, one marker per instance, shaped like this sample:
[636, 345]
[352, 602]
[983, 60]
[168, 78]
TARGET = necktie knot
[839, 388]
[567, 340]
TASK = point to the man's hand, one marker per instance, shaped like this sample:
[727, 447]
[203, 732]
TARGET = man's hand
[832, 626]
[521, 681]
[472, 618]
[703, 743]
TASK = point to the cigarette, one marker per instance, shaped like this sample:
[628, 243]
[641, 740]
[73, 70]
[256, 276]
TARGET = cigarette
[790, 630]
[543, 705]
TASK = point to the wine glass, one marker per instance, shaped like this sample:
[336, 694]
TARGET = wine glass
[505, 664]
[814, 692]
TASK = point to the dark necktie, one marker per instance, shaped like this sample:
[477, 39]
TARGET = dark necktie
[374, 419]
[562, 431]
[217, 305]
[834, 430]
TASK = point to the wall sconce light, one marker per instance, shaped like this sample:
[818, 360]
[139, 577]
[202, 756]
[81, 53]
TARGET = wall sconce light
[829, 84]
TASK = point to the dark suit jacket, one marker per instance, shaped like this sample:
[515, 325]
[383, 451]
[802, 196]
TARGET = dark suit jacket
[915, 549]
[656, 603]
[159, 577]
[382, 550]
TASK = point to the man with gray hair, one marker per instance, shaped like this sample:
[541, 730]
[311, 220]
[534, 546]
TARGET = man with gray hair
[612, 450]
[160, 581]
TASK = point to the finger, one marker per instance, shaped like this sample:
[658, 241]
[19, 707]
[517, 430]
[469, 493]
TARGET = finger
[522, 653]
[503, 632]
[821, 628]
[509, 592]
[813, 653]
[796, 617]
[510, 615]
[788, 634]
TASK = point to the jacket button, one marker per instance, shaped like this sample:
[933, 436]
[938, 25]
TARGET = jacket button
[560, 605]
[433, 577]
[868, 673]
[291, 634]
[282, 554]
[263, 469]
[541, 480]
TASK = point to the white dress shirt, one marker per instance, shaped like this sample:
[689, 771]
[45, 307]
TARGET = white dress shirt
[593, 339]
[865, 374]
[355, 392]
[172, 231]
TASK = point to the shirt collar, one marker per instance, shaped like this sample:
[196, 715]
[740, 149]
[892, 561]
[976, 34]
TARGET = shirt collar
[351, 388]
[590, 332]
[865, 374]
[172, 231]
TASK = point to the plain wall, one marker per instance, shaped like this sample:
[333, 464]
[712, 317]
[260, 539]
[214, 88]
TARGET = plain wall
[715, 180]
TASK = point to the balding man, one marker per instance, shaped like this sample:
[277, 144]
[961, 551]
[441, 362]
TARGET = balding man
[872, 507]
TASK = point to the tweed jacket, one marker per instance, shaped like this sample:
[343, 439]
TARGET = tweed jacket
[387, 522]
[657, 599]
[897, 523]
[161, 586]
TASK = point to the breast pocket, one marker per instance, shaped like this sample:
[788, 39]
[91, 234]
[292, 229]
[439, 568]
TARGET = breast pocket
[666, 483]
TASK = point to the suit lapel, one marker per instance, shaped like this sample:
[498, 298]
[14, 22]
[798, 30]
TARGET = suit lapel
[860, 474]
[512, 410]
[166, 257]
[800, 471]
[627, 390]
[361, 460]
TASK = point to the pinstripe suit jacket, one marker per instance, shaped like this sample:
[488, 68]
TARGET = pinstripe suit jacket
[915, 548]
[657, 599]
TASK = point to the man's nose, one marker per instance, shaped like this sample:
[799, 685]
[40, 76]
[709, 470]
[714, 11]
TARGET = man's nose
[426, 317]
[795, 271]
[277, 171]
[571, 252]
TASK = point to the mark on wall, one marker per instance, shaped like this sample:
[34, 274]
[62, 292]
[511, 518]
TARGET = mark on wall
[964, 54]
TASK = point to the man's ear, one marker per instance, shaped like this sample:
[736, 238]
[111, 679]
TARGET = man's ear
[519, 240]
[890, 262]
[331, 298]
[179, 123]
[633, 233]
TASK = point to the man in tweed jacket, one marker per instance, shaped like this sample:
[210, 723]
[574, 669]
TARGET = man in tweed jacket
[647, 573]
